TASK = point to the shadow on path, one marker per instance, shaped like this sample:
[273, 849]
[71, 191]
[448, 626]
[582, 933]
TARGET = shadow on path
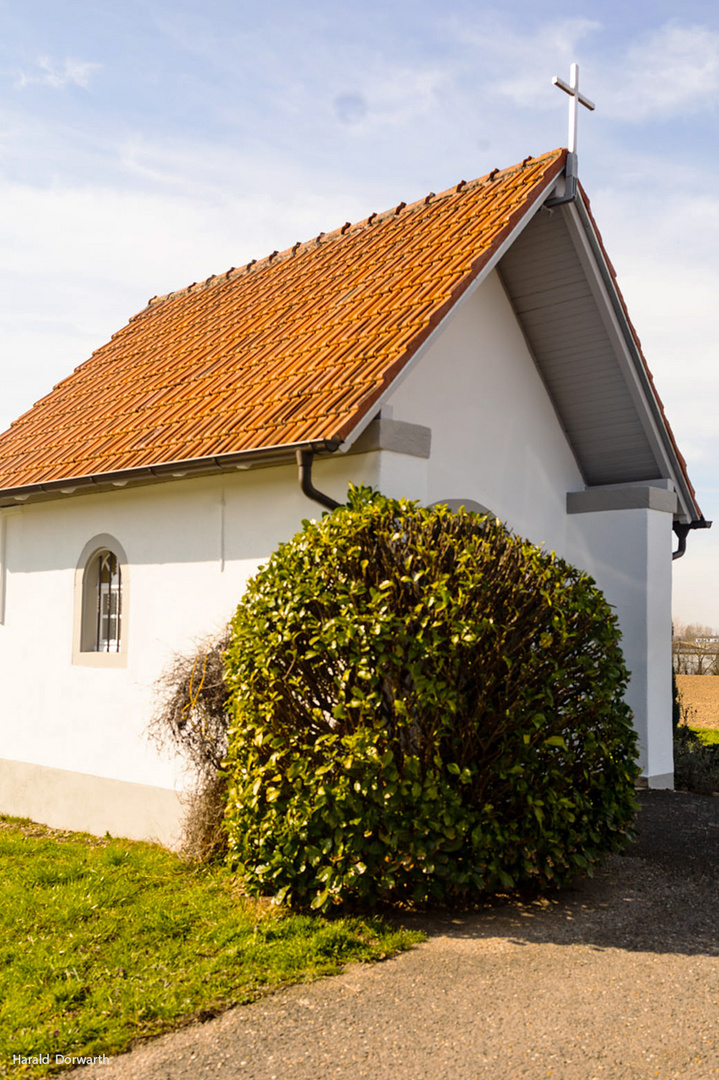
[616, 979]
[661, 896]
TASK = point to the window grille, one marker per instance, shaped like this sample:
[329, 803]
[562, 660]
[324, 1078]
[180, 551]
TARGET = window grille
[109, 603]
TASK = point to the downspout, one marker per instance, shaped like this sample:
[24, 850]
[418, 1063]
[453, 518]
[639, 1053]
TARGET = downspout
[304, 463]
[682, 530]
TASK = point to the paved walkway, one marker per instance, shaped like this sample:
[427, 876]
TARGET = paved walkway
[618, 978]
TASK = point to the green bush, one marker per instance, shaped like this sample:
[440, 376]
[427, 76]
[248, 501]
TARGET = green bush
[696, 761]
[696, 753]
[423, 707]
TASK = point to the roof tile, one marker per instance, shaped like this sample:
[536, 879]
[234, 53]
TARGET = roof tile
[293, 348]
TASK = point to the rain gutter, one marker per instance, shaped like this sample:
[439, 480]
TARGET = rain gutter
[682, 529]
[170, 470]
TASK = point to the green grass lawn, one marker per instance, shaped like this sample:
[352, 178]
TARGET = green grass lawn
[708, 736]
[103, 942]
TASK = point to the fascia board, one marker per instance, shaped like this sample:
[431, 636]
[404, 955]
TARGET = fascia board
[611, 310]
[432, 338]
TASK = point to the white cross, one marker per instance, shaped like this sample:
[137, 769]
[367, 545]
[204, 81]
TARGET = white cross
[574, 97]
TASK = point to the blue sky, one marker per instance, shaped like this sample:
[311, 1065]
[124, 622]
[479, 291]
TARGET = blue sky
[145, 146]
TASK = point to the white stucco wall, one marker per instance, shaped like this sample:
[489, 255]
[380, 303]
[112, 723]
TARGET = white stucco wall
[496, 439]
[192, 544]
[629, 554]
[495, 435]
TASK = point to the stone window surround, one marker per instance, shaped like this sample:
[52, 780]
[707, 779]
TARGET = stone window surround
[93, 658]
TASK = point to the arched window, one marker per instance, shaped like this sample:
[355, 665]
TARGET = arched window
[103, 582]
[101, 603]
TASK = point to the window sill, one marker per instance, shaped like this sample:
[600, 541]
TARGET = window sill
[100, 659]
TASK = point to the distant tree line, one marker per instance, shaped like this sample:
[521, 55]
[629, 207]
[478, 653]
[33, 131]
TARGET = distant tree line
[695, 649]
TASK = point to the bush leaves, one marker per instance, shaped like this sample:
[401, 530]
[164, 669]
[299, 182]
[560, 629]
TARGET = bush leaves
[424, 707]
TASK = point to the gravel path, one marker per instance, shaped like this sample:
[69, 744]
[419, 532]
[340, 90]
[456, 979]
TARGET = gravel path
[617, 978]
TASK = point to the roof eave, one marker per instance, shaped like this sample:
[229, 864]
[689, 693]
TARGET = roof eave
[675, 459]
[162, 472]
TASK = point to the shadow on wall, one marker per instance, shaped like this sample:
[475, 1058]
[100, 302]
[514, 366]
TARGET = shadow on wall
[242, 516]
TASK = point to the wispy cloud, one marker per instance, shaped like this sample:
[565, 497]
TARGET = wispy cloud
[401, 92]
[115, 248]
[389, 95]
[515, 63]
[58, 76]
[674, 70]
[665, 72]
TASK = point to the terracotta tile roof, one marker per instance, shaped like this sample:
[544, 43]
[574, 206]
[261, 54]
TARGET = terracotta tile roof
[293, 349]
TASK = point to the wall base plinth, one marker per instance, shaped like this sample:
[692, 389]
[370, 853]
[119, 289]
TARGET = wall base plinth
[660, 781]
[70, 800]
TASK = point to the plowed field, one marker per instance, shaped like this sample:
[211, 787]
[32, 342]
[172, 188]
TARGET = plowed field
[700, 697]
